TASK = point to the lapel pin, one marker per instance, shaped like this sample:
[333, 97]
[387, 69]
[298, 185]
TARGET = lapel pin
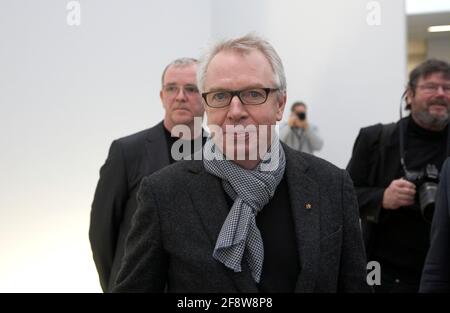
[308, 206]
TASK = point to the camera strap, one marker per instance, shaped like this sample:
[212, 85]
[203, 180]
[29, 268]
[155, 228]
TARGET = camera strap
[402, 134]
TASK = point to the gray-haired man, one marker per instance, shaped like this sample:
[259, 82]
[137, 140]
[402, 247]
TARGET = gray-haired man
[135, 156]
[252, 215]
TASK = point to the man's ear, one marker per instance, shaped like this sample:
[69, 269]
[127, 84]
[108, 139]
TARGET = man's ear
[408, 96]
[161, 97]
[281, 104]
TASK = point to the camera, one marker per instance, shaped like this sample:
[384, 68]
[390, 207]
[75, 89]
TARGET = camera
[301, 116]
[426, 181]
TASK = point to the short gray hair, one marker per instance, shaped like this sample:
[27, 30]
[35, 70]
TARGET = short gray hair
[244, 45]
[181, 62]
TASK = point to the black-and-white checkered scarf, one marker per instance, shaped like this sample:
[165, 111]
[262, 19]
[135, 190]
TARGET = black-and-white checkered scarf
[251, 190]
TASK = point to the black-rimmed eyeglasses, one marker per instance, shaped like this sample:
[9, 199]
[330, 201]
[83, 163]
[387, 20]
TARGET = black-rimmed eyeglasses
[222, 98]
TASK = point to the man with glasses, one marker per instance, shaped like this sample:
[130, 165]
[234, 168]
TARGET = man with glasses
[251, 214]
[135, 156]
[396, 194]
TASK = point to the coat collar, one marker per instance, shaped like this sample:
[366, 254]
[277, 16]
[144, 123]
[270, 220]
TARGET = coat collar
[156, 133]
[394, 138]
[156, 141]
[206, 190]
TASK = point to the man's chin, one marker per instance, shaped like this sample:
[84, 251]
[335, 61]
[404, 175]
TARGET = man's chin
[183, 118]
[432, 120]
[438, 111]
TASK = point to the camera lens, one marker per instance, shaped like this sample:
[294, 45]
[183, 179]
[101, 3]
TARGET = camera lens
[427, 196]
[301, 116]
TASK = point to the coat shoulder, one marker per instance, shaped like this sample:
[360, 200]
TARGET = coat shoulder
[310, 162]
[371, 131]
[171, 178]
[318, 163]
[138, 138]
[134, 147]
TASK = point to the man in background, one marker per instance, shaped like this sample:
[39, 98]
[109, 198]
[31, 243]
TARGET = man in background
[135, 156]
[299, 134]
[395, 193]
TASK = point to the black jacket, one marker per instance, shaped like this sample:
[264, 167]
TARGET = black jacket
[398, 239]
[183, 207]
[374, 164]
[129, 160]
[436, 272]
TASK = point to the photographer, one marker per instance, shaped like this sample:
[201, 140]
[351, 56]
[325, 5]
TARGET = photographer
[299, 134]
[392, 195]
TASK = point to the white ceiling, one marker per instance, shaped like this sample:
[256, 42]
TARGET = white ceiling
[427, 6]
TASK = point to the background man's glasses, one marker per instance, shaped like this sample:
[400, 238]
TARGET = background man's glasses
[173, 90]
[222, 98]
[433, 88]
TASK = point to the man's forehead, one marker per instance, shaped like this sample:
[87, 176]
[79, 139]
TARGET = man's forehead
[436, 76]
[189, 68]
[231, 55]
[176, 72]
[248, 69]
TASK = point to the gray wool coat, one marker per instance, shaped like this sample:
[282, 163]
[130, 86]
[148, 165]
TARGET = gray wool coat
[181, 211]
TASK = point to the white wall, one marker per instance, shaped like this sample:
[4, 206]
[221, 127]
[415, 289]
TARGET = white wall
[67, 92]
[232, 18]
[349, 73]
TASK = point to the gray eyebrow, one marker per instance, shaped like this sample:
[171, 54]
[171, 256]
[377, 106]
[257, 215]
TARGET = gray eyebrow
[187, 85]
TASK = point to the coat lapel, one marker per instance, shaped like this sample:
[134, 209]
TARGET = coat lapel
[209, 201]
[304, 200]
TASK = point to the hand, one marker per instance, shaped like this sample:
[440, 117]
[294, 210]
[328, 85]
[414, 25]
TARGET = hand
[292, 121]
[399, 193]
[302, 124]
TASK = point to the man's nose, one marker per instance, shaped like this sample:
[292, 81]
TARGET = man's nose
[181, 94]
[441, 91]
[236, 109]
